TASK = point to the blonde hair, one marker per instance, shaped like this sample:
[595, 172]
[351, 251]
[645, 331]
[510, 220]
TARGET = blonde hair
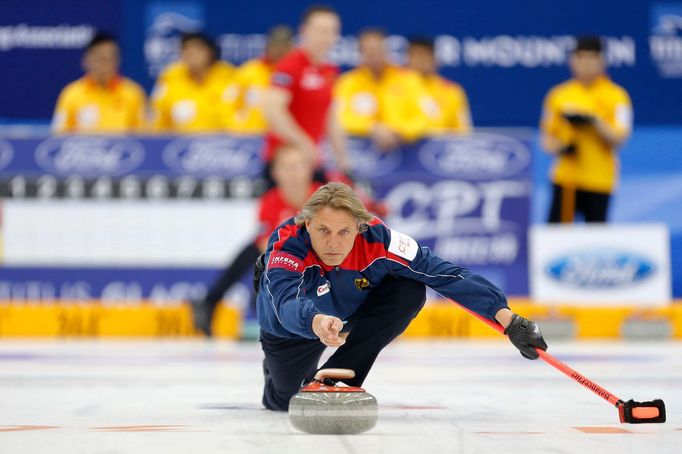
[339, 197]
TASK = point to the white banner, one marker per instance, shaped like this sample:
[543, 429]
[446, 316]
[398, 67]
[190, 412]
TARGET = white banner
[125, 233]
[600, 264]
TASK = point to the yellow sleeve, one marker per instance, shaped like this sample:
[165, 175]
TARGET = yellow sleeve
[138, 108]
[459, 117]
[552, 123]
[352, 122]
[622, 112]
[64, 118]
[402, 112]
[160, 109]
[233, 100]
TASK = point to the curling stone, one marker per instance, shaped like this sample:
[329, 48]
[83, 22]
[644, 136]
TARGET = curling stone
[321, 407]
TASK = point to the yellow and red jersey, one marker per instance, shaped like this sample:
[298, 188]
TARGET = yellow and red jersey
[595, 165]
[242, 102]
[392, 99]
[446, 106]
[180, 104]
[84, 106]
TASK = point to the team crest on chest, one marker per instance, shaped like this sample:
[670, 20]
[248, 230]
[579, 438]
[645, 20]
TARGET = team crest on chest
[362, 283]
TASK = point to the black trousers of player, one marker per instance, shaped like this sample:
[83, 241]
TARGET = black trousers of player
[388, 310]
[566, 202]
[240, 265]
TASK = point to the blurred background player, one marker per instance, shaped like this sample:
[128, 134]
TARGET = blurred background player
[292, 171]
[243, 100]
[446, 104]
[102, 100]
[298, 105]
[187, 96]
[584, 122]
[378, 99]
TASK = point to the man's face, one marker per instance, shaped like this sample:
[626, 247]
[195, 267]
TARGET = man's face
[321, 32]
[196, 55]
[102, 61]
[372, 51]
[421, 59]
[278, 49]
[292, 170]
[332, 233]
[587, 65]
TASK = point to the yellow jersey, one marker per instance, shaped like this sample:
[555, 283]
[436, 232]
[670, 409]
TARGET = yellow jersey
[181, 105]
[445, 105]
[242, 102]
[84, 106]
[595, 165]
[392, 99]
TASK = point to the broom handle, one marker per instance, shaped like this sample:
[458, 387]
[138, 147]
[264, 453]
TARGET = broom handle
[552, 361]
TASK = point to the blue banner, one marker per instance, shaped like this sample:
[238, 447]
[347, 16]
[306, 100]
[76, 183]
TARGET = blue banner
[468, 198]
[507, 56]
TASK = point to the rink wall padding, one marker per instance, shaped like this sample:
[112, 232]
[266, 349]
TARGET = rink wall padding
[445, 320]
[93, 319]
[438, 319]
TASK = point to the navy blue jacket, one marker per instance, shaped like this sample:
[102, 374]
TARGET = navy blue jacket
[297, 285]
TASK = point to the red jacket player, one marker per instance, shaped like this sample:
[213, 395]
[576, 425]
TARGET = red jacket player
[298, 106]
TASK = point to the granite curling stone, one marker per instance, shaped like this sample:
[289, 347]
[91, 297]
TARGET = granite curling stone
[321, 407]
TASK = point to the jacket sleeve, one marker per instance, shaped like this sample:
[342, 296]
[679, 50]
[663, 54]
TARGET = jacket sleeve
[408, 259]
[64, 120]
[283, 281]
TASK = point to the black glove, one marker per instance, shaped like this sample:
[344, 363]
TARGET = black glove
[569, 150]
[258, 269]
[579, 119]
[525, 335]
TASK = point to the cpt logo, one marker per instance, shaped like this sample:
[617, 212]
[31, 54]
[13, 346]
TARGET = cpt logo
[605, 269]
[474, 156]
[403, 245]
[214, 155]
[90, 155]
[323, 289]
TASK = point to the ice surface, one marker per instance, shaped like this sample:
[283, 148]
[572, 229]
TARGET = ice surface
[198, 397]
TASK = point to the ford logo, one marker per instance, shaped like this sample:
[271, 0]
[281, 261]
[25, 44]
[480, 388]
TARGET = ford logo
[474, 156]
[214, 155]
[368, 162]
[89, 155]
[6, 153]
[604, 269]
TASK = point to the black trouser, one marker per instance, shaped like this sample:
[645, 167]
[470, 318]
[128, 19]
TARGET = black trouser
[566, 202]
[240, 265]
[385, 314]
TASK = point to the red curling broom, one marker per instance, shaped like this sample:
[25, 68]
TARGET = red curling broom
[631, 412]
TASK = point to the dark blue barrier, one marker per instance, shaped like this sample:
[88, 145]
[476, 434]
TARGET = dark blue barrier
[505, 55]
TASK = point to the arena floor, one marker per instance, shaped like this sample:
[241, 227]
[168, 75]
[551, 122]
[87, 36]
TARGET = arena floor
[203, 397]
